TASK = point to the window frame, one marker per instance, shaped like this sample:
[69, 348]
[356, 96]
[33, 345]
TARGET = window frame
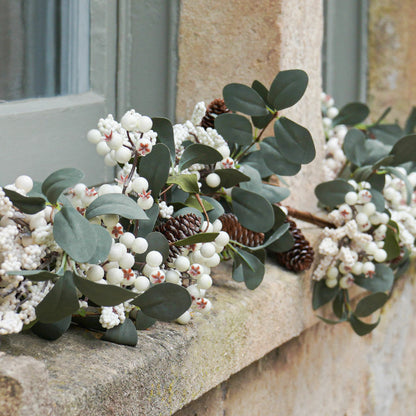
[41, 135]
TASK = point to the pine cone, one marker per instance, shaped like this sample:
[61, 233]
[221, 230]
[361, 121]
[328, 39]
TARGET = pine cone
[214, 109]
[300, 256]
[238, 233]
[178, 228]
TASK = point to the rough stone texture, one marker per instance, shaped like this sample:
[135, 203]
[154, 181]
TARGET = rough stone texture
[328, 370]
[392, 61]
[270, 36]
[23, 387]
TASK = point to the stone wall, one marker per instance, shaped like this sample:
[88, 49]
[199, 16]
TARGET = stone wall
[392, 60]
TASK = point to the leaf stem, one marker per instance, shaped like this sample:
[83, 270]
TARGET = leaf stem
[203, 209]
[308, 217]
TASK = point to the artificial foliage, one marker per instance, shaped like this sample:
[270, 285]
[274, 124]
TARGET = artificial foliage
[117, 257]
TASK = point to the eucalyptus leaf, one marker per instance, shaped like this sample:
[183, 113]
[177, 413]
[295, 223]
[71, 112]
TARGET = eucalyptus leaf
[155, 168]
[283, 244]
[273, 194]
[293, 141]
[238, 271]
[188, 183]
[57, 182]
[255, 159]
[391, 241]
[193, 202]
[240, 97]
[252, 210]
[74, 234]
[274, 237]
[34, 275]
[103, 244]
[262, 121]
[147, 226]
[361, 328]
[322, 294]
[115, 204]
[124, 334]
[351, 114]
[102, 294]
[217, 209]
[199, 153]
[387, 133]
[408, 185]
[287, 88]
[52, 331]
[231, 177]
[330, 321]
[197, 238]
[60, 302]
[163, 128]
[143, 321]
[404, 150]
[275, 161]
[378, 200]
[411, 122]
[164, 302]
[234, 128]
[332, 193]
[26, 204]
[382, 280]
[368, 305]
[252, 268]
[338, 305]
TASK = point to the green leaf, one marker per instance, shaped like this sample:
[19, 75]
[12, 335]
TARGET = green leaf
[155, 168]
[383, 116]
[74, 234]
[293, 141]
[391, 242]
[102, 294]
[60, 302]
[188, 183]
[33, 275]
[57, 182]
[404, 150]
[361, 328]
[273, 194]
[88, 321]
[252, 210]
[199, 153]
[231, 177]
[377, 181]
[163, 128]
[116, 204]
[256, 161]
[194, 203]
[410, 122]
[262, 121]
[143, 321]
[332, 193]
[246, 100]
[287, 88]
[52, 331]
[252, 269]
[238, 271]
[255, 181]
[261, 90]
[387, 133]
[217, 209]
[368, 305]
[338, 306]
[197, 238]
[234, 128]
[284, 243]
[164, 302]
[156, 241]
[382, 281]
[408, 185]
[277, 234]
[37, 190]
[26, 204]
[351, 114]
[275, 161]
[330, 321]
[378, 200]
[124, 334]
[146, 226]
[103, 244]
[322, 294]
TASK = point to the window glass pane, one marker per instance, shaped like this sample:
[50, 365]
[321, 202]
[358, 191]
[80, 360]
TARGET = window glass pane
[44, 48]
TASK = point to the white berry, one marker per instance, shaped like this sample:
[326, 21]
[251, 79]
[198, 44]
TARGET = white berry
[213, 180]
[115, 276]
[182, 263]
[24, 182]
[154, 258]
[139, 245]
[95, 273]
[142, 283]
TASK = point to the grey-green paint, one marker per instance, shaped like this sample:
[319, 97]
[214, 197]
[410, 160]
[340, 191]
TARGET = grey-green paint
[345, 50]
[148, 60]
[41, 135]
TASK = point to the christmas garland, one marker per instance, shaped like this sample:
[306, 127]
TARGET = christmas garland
[117, 257]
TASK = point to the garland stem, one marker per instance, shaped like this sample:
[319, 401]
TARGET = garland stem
[308, 217]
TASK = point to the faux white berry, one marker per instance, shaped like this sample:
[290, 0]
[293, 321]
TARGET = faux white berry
[126, 261]
[123, 155]
[129, 121]
[213, 180]
[361, 218]
[145, 203]
[109, 159]
[172, 276]
[154, 258]
[115, 276]
[141, 283]
[139, 245]
[351, 198]
[357, 268]
[127, 239]
[144, 124]
[216, 226]
[204, 281]
[369, 269]
[117, 251]
[110, 220]
[184, 318]
[332, 273]
[94, 136]
[213, 261]
[102, 148]
[369, 208]
[346, 282]
[331, 283]
[24, 182]
[208, 250]
[223, 239]
[95, 273]
[380, 255]
[182, 263]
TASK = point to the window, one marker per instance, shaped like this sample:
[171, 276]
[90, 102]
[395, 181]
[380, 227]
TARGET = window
[345, 50]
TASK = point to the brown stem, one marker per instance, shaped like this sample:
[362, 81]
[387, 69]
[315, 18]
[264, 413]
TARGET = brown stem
[133, 169]
[203, 209]
[308, 217]
[264, 129]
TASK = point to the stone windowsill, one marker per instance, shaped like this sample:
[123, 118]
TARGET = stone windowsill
[171, 364]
